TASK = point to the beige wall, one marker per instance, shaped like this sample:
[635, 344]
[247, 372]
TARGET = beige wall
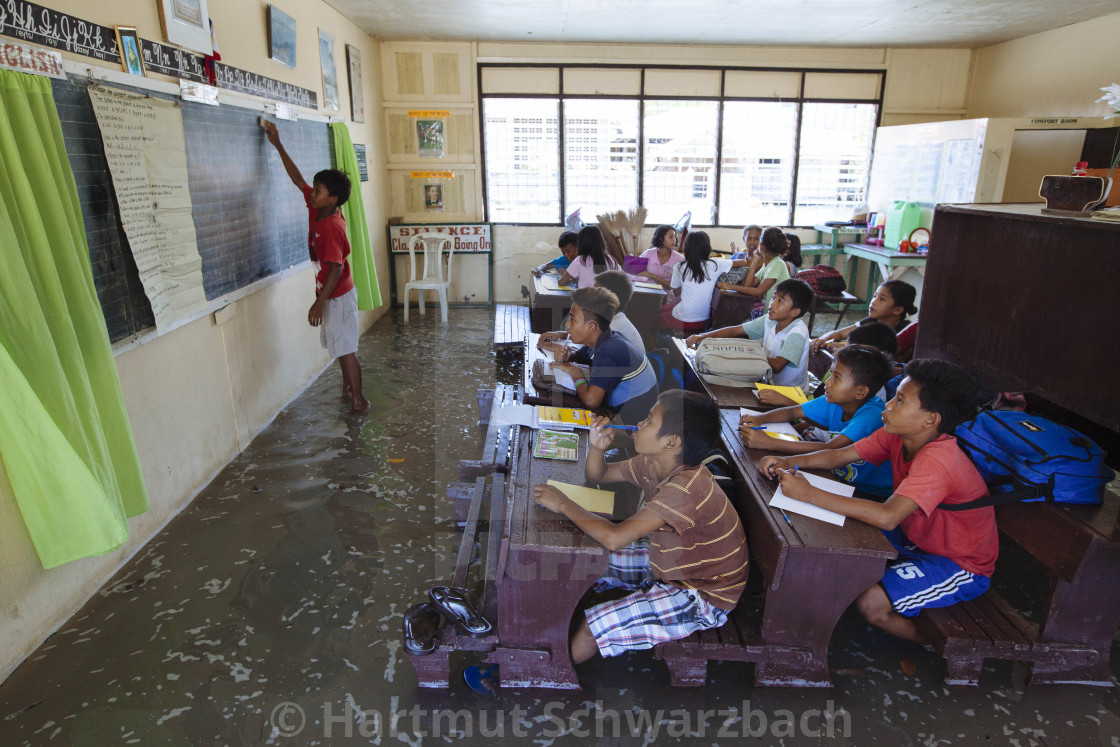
[199, 394]
[1055, 73]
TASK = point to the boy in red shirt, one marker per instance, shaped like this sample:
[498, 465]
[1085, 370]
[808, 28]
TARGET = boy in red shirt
[944, 557]
[335, 310]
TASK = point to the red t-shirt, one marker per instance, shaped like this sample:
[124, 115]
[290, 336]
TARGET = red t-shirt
[940, 473]
[328, 243]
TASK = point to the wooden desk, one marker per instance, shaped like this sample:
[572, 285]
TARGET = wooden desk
[890, 263]
[812, 570]
[732, 308]
[548, 308]
[723, 396]
[531, 394]
[545, 565]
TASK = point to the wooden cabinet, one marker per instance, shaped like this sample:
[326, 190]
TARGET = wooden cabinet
[1027, 302]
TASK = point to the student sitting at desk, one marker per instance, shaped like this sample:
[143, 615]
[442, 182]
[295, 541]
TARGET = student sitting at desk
[567, 254]
[662, 256]
[848, 412]
[767, 268]
[620, 379]
[591, 259]
[683, 555]
[694, 279]
[618, 283]
[752, 236]
[944, 557]
[893, 302]
[782, 331]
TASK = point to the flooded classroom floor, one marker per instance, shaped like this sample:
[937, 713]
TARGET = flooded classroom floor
[269, 611]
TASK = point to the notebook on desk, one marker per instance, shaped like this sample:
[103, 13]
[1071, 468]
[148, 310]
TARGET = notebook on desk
[545, 377]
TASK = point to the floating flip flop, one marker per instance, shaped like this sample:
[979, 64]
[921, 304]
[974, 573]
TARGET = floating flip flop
[420, 625]
[483, 683]
[460, 607]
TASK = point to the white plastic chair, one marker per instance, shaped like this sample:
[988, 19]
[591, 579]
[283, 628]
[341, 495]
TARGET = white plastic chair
[433, 277]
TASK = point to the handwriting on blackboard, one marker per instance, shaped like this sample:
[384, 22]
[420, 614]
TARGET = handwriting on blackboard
[234, 79]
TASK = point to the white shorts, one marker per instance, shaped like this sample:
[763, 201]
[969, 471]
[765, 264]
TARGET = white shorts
[339, 331]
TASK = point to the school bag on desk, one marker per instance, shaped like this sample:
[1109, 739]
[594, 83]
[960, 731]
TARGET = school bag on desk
[731, 362]
[1024, 457]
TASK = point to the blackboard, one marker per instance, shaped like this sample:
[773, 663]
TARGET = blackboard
[250, 220]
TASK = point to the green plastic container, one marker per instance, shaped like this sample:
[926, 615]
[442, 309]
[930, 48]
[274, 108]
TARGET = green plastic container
[902, 218]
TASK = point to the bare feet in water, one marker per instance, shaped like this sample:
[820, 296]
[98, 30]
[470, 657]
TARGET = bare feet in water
[359, 406]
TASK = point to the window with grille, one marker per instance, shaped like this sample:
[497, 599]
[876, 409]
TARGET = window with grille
[763, 151]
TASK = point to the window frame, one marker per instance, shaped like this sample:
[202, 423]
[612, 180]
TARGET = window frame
[642, 96]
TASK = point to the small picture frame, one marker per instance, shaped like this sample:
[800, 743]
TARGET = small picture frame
[354, 68]
[128, 45]
[187, 24]
[433, 196]
[330, 76]
[281, 36]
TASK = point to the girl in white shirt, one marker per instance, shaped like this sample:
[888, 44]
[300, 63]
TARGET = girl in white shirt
[694, 280]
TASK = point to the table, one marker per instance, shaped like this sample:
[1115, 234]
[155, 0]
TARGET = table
[813, 570]
[889, 262]
[545, 566]
[548, 308]
[531, 394]
[732, 307]
[723, 396]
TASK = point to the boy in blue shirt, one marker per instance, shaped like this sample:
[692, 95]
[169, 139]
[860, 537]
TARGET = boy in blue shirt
[848, 412]
[568, 251]
[620, 380]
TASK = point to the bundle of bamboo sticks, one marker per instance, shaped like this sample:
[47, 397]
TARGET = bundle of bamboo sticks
[621, 229]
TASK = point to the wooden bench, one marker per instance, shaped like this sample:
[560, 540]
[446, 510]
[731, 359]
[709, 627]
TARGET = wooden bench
[812, 572]
[1080, 545]
[486, 490]
[843, 299]
[511, 324]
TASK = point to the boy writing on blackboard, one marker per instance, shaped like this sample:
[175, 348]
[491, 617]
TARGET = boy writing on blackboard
[335, 310]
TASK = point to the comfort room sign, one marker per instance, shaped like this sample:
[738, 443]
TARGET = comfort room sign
[473, 238]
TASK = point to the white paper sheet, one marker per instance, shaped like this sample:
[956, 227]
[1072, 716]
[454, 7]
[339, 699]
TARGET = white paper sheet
[781, 500]
[784, 428]
[562, 378]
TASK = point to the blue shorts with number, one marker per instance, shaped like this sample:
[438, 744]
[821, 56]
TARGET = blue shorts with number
[919, 579]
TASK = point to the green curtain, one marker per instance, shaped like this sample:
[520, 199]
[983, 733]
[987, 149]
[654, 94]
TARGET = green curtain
[362, 267]
[65, 439]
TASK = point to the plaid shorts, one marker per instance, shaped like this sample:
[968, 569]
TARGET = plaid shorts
[662, 612]
[627, 568]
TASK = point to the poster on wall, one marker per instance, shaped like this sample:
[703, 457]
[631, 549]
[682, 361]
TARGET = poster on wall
[473, 238]
[330, 77]
[354, 67]
[429, 138]
[281, 36]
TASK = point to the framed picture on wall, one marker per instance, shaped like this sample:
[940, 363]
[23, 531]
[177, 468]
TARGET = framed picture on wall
[354, 67]
[429, 138]
[187, 24]
[281, 36]
[128, 44]
[433, 196]
[330, 77]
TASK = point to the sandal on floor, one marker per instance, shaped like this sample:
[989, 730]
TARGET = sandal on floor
[460, 607]
[420, 625]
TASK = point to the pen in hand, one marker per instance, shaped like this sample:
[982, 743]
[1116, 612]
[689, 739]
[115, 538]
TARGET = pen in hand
[622, 427]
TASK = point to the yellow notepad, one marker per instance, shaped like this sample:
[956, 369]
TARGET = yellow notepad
[564, 416]
[592, 499]
[792, 392]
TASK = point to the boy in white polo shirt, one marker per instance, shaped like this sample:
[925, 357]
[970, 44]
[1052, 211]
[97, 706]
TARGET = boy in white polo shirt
[783, 332]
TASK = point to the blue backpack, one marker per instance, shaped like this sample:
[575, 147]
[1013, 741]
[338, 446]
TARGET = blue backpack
[1025, 457]
[668, 377]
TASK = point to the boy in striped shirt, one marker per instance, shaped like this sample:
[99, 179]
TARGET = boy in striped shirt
[682, 555]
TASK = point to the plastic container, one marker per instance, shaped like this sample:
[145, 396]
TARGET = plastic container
[902, 218]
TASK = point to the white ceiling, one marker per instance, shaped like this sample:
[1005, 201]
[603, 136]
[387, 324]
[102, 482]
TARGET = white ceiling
[896, 23]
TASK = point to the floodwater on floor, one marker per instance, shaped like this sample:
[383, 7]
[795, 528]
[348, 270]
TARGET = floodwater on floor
[269, 611]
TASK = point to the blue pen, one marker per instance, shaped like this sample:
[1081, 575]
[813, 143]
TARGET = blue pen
[785, 516]
[623, 427]
[757, 427]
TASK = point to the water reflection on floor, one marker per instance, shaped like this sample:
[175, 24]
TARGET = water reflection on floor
[269, 611]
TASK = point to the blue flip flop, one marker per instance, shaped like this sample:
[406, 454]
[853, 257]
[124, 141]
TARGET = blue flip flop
[460, 607]
[483, 683]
